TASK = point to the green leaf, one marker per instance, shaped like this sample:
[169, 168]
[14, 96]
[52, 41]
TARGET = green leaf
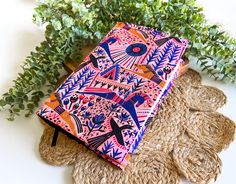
[30, 106]
[10, 118]
[2, 102]
[56, 24]
[16, 110]
[67, 20]
[22, 106]
[70, 24]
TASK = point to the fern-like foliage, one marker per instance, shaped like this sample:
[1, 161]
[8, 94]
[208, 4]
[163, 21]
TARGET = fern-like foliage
[107, 147]
[138, 139]
[43, 111]
[174, 53]
[160, 61]
[65, 83]
[122, 79]
[130, 78]
[86, 79]
[153, 56]
[70, 24]
[115, 154]
[71, 78]
[137, 85]
[71, 83]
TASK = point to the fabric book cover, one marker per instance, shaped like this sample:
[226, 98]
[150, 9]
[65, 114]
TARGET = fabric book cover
[107, 103]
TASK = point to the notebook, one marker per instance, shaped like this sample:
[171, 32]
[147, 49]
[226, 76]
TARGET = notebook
[107, 103]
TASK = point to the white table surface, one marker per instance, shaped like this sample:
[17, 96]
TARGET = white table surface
[20, 162]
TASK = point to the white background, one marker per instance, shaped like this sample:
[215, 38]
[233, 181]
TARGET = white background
[20, 162]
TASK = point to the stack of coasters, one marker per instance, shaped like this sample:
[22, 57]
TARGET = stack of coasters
[107, 103]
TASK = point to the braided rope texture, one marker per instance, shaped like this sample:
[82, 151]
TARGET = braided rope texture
[183, 141]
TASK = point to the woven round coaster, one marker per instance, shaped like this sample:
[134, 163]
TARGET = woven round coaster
[64, 153]
[167, 126]
[211, 128]
[205, 98]
[151, 167]
[192, 78]
[196, 162]
[183, 140]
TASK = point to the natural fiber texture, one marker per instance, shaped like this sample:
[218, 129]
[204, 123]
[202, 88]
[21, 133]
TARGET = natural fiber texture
[167, 126]
[154, 165]
[66, 148]
[205, 98]
[196, 163]
[212, 129]
[192, 78]
[183, 139]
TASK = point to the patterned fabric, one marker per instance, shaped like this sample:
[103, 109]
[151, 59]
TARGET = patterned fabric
[110, 99]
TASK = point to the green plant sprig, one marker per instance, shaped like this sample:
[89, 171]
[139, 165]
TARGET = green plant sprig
[71, 23]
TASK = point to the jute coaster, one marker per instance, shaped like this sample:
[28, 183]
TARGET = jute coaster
[211, 128]
[196, 162]
[183, 140]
